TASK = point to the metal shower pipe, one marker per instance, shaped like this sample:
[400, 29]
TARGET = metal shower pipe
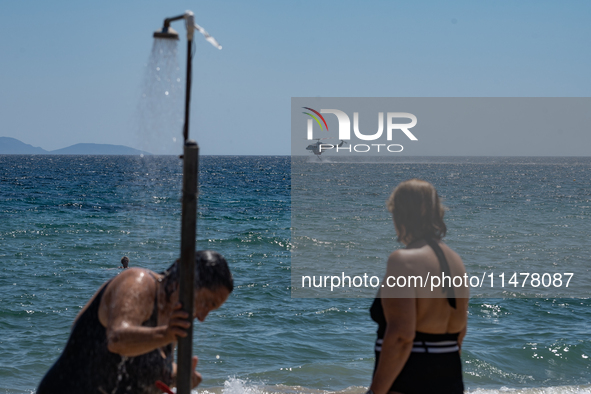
[189, 205]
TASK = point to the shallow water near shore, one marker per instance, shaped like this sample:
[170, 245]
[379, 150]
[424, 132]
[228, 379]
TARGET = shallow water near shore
[66, 221]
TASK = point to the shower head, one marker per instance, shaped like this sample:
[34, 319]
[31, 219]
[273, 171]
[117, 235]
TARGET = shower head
[166, 32]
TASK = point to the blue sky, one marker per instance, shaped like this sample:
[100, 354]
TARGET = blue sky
[71, 71]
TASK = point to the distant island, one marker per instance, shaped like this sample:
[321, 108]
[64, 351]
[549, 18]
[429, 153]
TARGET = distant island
[12, 146]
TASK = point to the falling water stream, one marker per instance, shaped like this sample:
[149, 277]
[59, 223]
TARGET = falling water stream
[159, 118]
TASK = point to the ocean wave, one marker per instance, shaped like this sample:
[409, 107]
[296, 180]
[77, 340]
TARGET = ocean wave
[244, 386]
[586, 389]
[240, 386]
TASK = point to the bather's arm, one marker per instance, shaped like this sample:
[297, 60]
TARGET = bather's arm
[399, 307]
[127, 302]
[397, 343]
[196, 377]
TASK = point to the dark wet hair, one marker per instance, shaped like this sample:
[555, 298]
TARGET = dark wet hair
[417, 211]
[211, 272]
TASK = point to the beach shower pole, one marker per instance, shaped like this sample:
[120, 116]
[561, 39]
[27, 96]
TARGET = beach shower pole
[188, 230]
[189, 207]
[187, 268]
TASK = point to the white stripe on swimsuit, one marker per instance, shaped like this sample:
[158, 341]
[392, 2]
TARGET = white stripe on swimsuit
[427, 347]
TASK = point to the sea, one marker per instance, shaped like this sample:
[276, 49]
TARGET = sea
[66, 222]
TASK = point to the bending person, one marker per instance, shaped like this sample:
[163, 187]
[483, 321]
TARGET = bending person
[122, 340]
[420, 331]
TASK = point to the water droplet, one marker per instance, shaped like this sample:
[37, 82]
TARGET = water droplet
[157, 68]
[217, 355]
[166, 93]
[174, 140]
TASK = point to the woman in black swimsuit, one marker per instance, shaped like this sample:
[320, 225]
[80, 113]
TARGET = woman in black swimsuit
[122, 341]
[420, 331]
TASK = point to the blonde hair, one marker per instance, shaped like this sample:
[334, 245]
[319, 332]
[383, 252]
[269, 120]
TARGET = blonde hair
[417, 211]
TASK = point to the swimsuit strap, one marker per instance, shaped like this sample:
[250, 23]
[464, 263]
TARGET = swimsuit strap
[451, 297]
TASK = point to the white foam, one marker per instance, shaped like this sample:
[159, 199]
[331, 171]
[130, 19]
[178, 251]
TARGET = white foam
[541, 390]
[241, 386]
[233, 386]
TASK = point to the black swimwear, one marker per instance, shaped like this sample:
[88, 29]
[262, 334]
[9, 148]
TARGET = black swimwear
[434, 364]
[86, 366]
